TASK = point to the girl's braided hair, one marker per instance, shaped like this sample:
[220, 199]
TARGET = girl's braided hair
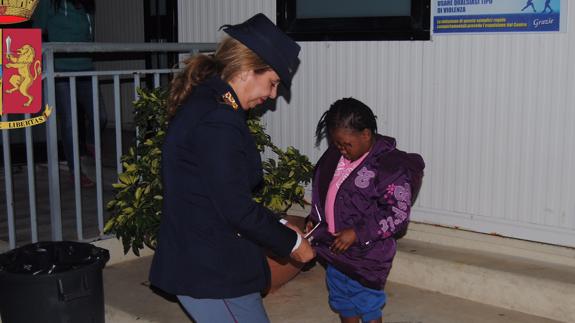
[347, 113]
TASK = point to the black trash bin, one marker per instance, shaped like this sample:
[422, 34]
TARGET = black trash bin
[53, 282]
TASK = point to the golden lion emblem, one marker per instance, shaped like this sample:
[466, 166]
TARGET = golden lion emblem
[24, 79]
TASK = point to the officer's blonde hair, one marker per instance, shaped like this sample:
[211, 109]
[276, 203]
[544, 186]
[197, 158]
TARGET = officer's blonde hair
[231, 58]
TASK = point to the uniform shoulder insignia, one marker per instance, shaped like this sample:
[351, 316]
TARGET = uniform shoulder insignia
[228, 99]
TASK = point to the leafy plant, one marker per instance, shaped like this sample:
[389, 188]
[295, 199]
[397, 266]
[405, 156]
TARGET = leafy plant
[136, 208]
[285, 176]
[137, 205]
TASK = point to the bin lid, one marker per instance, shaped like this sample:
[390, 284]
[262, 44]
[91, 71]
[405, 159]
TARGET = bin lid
[52, 257]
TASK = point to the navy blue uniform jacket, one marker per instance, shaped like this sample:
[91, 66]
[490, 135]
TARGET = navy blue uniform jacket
[212, 232]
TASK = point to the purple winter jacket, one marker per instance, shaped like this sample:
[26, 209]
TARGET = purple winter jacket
[375, 200]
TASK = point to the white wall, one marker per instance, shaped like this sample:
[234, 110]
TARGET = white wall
[492, 116]
[111, 17]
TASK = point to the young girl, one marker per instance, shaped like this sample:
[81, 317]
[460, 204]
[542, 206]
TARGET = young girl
[363, 189]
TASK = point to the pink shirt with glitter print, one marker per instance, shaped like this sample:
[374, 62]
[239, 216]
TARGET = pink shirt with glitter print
[342, 171]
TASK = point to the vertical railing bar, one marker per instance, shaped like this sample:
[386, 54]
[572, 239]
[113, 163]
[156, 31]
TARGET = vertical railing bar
[137, 85]
[156, 80]
[118, 117]
[76, 157]
[8, 185]
[53, 173]
[136, 98]
[52, 152]
[30, 166]
[98, 153]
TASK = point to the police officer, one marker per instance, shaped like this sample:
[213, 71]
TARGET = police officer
[210, 242]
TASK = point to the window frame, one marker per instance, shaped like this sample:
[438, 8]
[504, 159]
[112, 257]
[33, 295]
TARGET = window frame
[416, 26]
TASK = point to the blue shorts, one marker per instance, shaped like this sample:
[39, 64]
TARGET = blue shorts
[244, 309]
[351, 299]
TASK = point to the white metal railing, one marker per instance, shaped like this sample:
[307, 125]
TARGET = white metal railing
[54, 191]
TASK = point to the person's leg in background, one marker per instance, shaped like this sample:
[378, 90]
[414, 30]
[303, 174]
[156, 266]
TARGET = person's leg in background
[82, 126]
[64, 111]
[85, 100]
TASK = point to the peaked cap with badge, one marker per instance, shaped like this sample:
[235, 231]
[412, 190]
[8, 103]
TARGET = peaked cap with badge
[271, 44]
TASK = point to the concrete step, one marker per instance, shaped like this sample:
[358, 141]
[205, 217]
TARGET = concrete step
[483, 269]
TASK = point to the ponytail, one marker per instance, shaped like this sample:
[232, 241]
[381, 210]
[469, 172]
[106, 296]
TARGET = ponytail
[321, 129]
[198, 68]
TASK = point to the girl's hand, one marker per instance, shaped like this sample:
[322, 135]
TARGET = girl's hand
[344, 239]
[308, 226]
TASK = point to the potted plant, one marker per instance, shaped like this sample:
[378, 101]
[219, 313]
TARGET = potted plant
[136, 208]
[284, 176]
[282, 187]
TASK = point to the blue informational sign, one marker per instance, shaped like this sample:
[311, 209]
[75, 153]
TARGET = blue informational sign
[479, 16]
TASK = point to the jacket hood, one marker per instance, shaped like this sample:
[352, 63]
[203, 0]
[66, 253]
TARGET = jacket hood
[394, 157]
[384, 144]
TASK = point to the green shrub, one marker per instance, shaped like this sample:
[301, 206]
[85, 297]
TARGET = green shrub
[136, 208]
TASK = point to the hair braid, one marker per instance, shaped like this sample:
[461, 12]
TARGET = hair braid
[347, 113]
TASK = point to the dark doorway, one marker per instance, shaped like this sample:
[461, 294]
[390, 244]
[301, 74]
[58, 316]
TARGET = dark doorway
[161, 26]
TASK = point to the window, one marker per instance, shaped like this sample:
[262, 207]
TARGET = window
[317, 20]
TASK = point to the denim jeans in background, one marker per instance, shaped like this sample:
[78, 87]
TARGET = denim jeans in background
[84, 109]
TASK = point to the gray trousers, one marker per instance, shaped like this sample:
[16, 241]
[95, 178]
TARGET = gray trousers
[244, 309]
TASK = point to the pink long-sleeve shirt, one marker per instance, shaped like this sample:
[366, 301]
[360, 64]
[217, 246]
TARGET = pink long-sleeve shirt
[342, 171]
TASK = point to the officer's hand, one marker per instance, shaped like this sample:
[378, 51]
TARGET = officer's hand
[308, 226]
[304, 252]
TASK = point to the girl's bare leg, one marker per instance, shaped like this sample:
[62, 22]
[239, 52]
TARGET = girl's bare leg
[355, 319]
